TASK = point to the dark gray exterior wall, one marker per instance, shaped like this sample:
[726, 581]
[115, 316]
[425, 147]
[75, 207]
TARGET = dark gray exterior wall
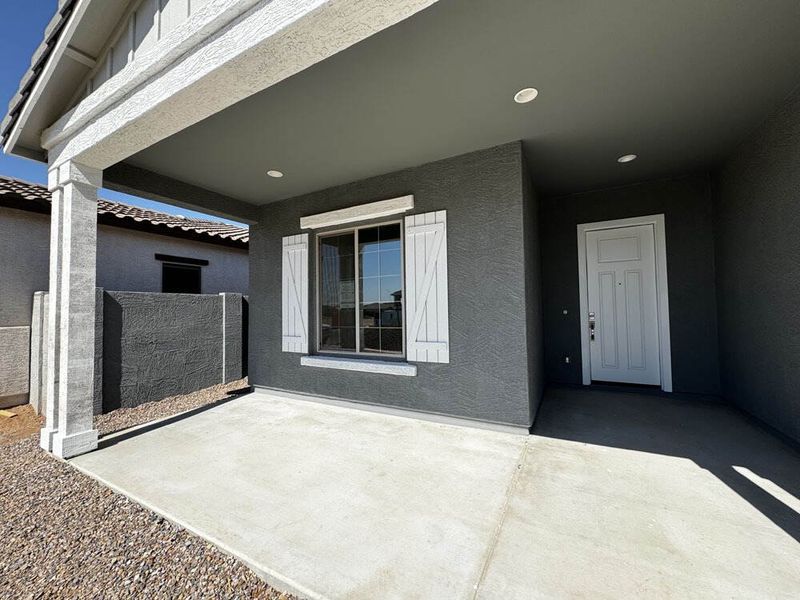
[757, 210]
[533, 290]
[159, 345]
[488, 374]
[149, 346]
[687, 207]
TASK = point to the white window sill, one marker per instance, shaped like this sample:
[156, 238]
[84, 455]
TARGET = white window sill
[384, 367]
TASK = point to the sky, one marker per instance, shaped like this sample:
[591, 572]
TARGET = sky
[23, 23]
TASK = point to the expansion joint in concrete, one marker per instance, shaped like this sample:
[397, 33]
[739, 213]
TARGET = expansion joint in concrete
[512, 486]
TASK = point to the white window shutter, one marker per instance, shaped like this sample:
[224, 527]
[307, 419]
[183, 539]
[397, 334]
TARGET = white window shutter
[427, 333]
[295, 294]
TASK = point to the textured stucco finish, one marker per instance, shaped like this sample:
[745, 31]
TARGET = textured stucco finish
[158, 345]
[14, 345]
[217, 58]
[233, 333]
[687, 208]
[24, 259]
[487, 377]
[150, 346]
[533, 290]
[757, 209]
[125, 261]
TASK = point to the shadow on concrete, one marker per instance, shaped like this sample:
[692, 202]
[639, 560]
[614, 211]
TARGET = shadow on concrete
[115, 437]
[715, 436]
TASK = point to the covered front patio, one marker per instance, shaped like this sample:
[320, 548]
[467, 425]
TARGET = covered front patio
[615, 494]
[472, 158]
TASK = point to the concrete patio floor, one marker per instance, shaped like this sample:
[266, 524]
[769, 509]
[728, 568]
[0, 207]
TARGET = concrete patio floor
[615, 495]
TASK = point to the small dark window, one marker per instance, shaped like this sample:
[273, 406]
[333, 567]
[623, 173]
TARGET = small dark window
[180, 279]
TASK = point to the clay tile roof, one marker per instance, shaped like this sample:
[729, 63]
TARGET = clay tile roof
[34, 197]
[38, 61]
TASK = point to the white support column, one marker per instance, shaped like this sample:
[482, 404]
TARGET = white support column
[69, 427]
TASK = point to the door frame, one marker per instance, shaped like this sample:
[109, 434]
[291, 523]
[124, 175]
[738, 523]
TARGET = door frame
[662, 292]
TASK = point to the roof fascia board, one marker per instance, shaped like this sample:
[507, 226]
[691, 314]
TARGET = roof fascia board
[49, 68]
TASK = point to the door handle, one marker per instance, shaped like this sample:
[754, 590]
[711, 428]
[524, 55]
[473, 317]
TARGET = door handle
[592, 322]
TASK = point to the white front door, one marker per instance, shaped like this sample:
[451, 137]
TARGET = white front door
[623, 305]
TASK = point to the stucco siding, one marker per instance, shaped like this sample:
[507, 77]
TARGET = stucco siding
[159, 345]
[24, 260]
[687, 208]
[757, 208]
[487, 377]
[126, 262]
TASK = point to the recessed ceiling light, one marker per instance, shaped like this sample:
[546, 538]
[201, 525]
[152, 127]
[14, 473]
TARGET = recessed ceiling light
[627, 158]
[526, 95]
[275, 174]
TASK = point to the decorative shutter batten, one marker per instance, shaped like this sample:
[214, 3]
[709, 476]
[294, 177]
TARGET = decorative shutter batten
[427, 322]
[294, 277]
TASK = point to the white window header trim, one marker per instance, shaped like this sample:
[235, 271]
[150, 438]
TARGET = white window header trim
[362, 212]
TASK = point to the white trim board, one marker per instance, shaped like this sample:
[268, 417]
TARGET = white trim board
[665, 346]
[362, 212]
[384, 367]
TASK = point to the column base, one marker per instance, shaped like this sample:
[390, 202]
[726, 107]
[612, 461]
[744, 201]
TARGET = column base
[67, 446]
[46, 438]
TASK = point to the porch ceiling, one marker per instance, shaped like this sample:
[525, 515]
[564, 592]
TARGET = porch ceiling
[679, 83]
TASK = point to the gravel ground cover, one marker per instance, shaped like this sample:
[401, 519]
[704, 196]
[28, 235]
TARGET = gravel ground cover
[63, 535]
[25, 424]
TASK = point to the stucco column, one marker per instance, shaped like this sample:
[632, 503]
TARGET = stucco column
[69, 428]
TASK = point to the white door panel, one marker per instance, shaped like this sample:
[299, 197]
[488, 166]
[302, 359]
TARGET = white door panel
[623, 301]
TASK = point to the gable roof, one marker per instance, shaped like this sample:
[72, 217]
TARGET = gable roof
[32, 197]
[38, 61]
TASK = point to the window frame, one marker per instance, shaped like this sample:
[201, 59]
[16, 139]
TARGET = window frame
[358, 353]
[185, 267]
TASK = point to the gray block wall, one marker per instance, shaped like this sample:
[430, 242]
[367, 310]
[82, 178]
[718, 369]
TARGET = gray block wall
[757, 210]
[14, 345]
[150, 346]
[489, 376]
[687, 207]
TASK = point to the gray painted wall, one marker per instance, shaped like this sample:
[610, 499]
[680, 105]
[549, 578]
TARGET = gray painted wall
[487, 377]
[24, 260]
[158, 345]
[757, 209]
[533, 290]
[150, 346]
[687, 207]
[125, 261]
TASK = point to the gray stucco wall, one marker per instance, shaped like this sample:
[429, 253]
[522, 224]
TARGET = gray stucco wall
[687, 207]
[533, 290]
[125, 261]
[24, 260]
[158, 345]
[150, 346]
[487, 377]
[757, 209]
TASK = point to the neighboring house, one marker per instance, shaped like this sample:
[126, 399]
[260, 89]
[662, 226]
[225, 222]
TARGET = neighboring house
[137, 250]
[443, 240]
